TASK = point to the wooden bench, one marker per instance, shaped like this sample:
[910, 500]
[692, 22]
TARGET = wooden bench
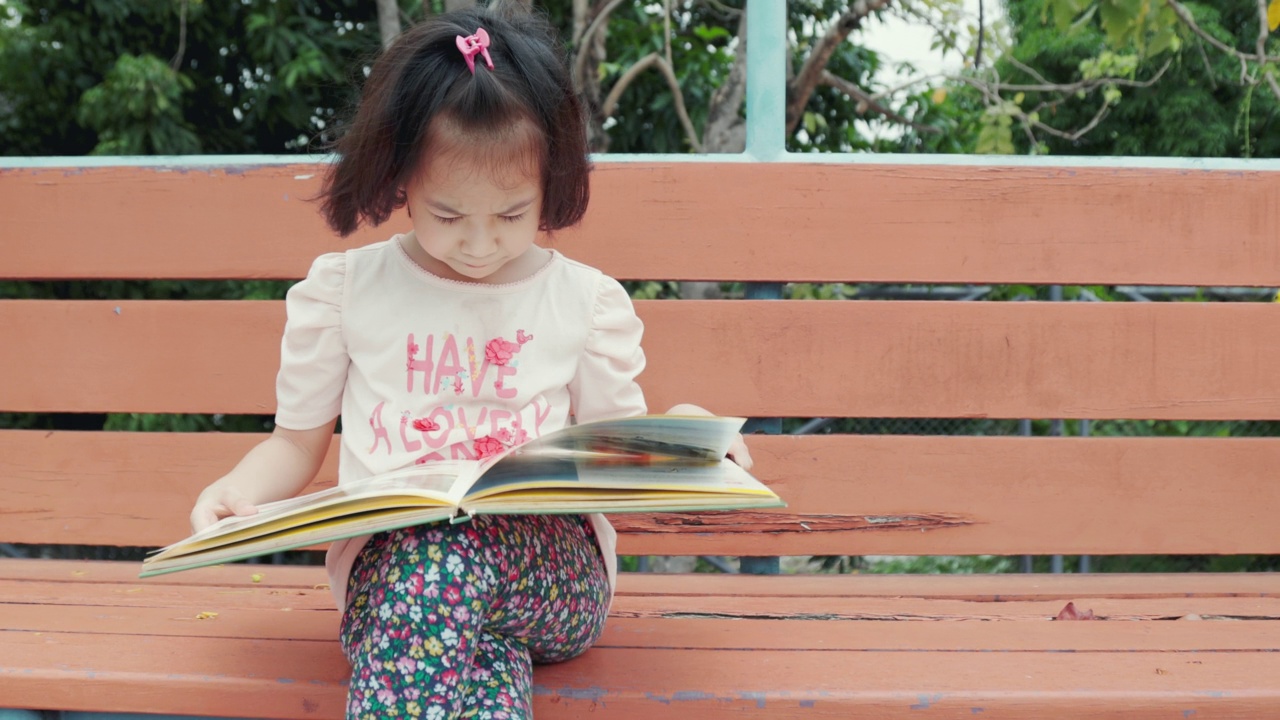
[260, 641]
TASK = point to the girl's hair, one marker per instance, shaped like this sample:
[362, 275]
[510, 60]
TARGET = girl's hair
[423, 77]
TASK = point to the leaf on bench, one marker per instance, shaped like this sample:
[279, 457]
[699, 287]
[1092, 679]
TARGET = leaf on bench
[1070, 613]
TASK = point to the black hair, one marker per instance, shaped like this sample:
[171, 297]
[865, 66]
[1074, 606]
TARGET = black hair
[423, 77]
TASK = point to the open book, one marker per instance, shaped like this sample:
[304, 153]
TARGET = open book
[653, 463]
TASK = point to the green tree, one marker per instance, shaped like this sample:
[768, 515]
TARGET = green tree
[1199, 107]
[177, 76]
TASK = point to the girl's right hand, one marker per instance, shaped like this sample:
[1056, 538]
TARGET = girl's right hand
[216, 503]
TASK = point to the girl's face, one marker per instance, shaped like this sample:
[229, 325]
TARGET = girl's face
[473, 222]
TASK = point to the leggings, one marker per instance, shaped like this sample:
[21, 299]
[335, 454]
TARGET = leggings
[445, 621]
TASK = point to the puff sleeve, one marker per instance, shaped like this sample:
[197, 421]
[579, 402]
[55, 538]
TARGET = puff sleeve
[604, 385]
[313, 352]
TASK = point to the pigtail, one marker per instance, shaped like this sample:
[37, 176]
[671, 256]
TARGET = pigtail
[423, 76]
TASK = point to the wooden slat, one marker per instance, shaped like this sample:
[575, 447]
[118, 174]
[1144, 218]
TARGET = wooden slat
[957, 634]
[846, 494]
[182, 603]
[724, 221]
[230, 581]
[288, 679]
[882, 359]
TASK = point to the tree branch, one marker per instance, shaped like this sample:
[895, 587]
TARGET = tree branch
[728, 11]
[176, 62]
[801, 87]
[725, 130]
[982, 32]
[633, 72]
[388, 21]
[1185, 16]
[580, 8]
[1264, 30]
[867, 102]
[597, 22]
[1071, 136]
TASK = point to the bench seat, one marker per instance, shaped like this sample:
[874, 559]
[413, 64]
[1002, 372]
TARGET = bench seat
[89, 635]
[91, 640]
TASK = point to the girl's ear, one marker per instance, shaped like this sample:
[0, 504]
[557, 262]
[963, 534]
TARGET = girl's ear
[402, 198]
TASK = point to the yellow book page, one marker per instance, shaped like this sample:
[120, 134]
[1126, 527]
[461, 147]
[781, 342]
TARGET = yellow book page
[317, 518]
[292, 538]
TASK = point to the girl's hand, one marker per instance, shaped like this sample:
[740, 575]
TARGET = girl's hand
[738, 453]
[218, 502]
[737, 449]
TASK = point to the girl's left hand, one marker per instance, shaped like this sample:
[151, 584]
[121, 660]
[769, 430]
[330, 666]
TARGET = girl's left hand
[738, 453]
[737, 450]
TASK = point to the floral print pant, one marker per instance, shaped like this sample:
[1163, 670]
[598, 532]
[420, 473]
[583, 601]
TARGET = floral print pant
[445, 621]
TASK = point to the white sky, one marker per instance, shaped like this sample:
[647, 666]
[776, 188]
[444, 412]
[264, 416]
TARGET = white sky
[899, 40]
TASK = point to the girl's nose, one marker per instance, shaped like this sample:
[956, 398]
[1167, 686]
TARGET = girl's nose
[481, 241]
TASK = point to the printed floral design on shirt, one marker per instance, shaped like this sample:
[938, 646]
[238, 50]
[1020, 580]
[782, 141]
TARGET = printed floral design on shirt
[426, 425]
[510, 439]
[499, 350]
[488, 446]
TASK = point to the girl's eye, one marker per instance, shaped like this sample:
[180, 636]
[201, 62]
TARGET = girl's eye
[446, 220]
[513, 218]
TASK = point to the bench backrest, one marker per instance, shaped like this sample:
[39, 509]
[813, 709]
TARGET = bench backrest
[729, 221]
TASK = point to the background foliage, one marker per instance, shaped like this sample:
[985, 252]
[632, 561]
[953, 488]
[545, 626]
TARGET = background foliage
[1058, 77]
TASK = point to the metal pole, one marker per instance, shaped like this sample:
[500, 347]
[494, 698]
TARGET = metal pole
[1024, 429]
[1086, 429]
[766, 79]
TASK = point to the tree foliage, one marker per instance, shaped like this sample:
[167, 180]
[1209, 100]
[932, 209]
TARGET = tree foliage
[177, 76]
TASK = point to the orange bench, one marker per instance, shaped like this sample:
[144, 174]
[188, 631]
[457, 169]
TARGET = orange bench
[89, 637]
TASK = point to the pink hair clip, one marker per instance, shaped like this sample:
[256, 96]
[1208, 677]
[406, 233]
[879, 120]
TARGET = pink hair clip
[473, 45]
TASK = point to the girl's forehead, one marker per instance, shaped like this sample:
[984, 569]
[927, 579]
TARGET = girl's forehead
[462, 169]
[508, 160]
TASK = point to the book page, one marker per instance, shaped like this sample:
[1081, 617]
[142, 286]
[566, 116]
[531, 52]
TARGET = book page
[439, 484]
[290, 538]
[564, 476]
[677, 436]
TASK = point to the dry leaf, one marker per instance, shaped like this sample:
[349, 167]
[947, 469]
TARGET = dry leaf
[78, 573]
[1161, 672]
[206, 615]
[1070, 613]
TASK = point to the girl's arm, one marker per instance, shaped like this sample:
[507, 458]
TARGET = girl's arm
[277, 468]
[737, 451]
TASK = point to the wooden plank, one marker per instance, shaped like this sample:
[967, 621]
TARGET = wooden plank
[178, 603]
[973, 588]
[288, 679]
[959, 635]
[969, 495]
[802, 359]
[795, 221]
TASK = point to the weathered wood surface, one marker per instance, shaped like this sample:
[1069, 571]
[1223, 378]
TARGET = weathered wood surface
[802, 221]
[792, 359]
[90, 636]
[846, 494]
[690, 644]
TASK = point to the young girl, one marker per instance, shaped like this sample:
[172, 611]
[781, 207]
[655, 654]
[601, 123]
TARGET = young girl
[453, 341]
